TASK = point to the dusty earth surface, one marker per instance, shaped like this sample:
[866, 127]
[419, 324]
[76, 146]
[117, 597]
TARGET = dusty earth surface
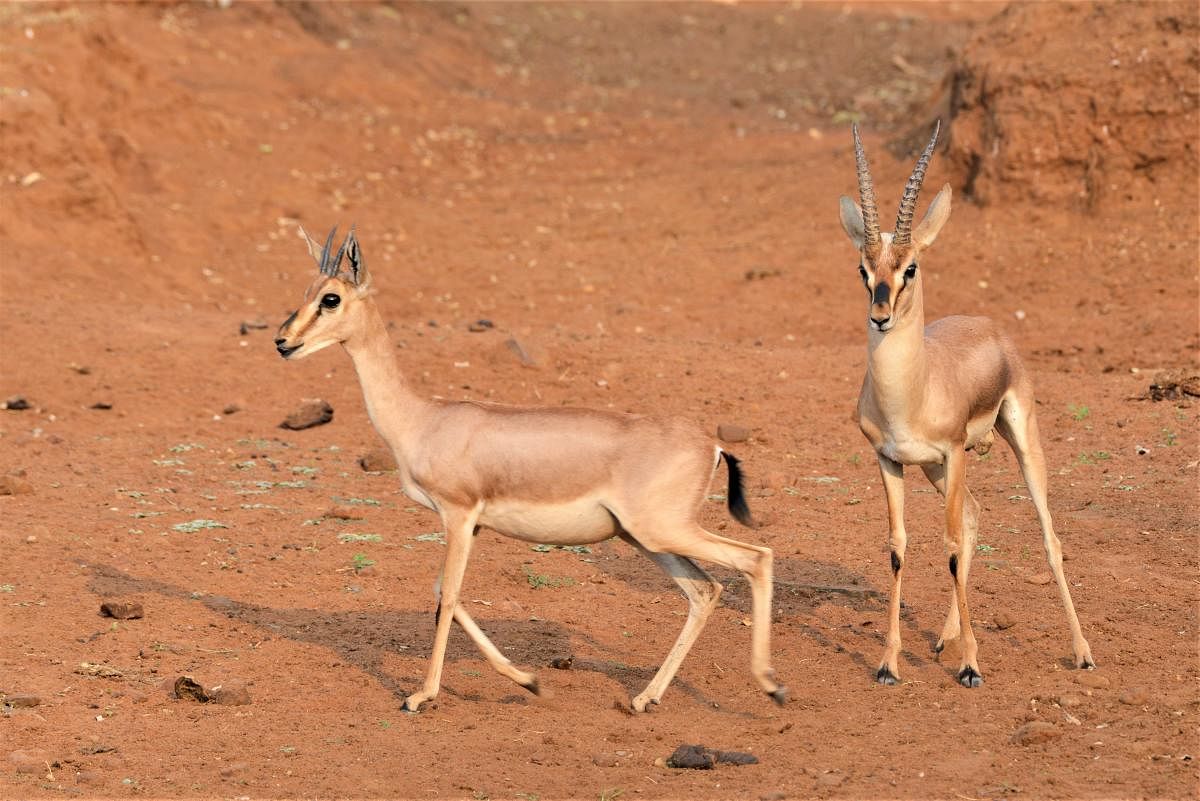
[644, 198]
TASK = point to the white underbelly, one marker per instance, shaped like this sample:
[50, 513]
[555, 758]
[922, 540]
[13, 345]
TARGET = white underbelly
[570, 523]
[911, 451]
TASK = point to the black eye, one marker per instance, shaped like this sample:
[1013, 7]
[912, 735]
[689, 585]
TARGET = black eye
[910, 271]
[330, 301]
[863, 272]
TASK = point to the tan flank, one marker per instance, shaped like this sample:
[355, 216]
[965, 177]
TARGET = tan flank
[932, 393]
[539, 474]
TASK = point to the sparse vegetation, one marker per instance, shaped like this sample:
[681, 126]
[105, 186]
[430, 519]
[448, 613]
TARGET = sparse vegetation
[1079, 411]
[542, 580]
[361, 561]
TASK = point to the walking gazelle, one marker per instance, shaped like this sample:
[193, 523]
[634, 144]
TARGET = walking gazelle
[933, 393]
[545, 475]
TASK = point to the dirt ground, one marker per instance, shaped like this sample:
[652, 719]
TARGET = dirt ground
[644, 197]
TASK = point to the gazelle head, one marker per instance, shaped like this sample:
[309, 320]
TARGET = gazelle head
[333, 304]
[888, 262]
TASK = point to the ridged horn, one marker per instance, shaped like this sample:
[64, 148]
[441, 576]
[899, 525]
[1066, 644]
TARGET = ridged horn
[866, 195]
[908, 203]
[330, 266]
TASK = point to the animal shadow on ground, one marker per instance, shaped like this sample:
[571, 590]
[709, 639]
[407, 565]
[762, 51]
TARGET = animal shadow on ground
[363, 639]
[801, 586]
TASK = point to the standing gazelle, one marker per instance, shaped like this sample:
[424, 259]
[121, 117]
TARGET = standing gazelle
[933, 393]
[546, 475]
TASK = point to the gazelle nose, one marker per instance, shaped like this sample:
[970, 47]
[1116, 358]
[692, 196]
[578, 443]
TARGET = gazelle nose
[279, 342]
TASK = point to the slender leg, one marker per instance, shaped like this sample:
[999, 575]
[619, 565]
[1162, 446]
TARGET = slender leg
[460, 525]
[893, 486]
[702, 592]
[956, 549]
[499, 662]
[754, 562]
[1021, 431]
[936, 474]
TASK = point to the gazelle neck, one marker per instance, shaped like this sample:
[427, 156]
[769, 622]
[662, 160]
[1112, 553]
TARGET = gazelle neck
[896, 363]
[393, 407]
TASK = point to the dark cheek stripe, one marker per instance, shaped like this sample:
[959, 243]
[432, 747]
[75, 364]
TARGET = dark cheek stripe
[882, 293]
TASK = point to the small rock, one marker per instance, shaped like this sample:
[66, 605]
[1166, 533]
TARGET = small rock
[31, 762]
[1036, 731]
[15, 485]
[251, 325]
[522, 353]
[122, 610]
[480, 326]
[562, 662]
[605, 760]
[232, 408]
[1134, 696]
[1070, 701]
[1089, 678]
[231, 693]
[729, 432]
[22, 701]
[87, 777]
[694, 757]
[311, 412]
[1002, 621]
[188, 689]
[16, 403]
[341, 512]
[82, 369]
[103, 406]
[831, 779]
[379, 460]
[1040, 578]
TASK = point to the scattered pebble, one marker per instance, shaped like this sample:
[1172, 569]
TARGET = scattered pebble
[605, 760]
[230, 693]
[22, 701]
[1040, 578]
[1089, 678]
[342, 512]
[311, 412]
[562, 662]
[379, 460]
[698, 757]
[1134, 696]
[1175, 384]
[188, 689]
[15, 485]
[1070, 701]
[232, 408]
[1036, 731]
[82, 369]
[252, 325]
[16, 403]
[1003, 621]
[729, 432]
[101, 405]
[480, 326]
[122, 610]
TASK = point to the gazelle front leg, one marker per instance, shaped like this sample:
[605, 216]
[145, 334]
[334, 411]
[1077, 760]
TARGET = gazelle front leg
[956, 545]
[893, 486]
[936, 474]
[460, 526]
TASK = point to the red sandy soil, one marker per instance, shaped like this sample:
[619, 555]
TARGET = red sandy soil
[645, 198]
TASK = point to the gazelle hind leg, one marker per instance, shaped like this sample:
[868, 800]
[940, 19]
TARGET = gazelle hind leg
[936, 474]
[754, 562]
[702, 592]
[956, 549]
[1019, 427]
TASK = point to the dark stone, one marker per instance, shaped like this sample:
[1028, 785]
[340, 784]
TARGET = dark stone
[311, 412]
[122, 610]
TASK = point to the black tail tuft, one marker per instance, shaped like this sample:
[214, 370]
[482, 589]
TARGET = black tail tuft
[736, 494]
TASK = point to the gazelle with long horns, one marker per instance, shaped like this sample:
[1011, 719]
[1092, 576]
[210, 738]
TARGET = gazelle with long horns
[539, 474]
[932, 393]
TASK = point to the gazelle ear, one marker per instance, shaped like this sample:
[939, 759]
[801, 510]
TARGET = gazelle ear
[852, 221]
[358, 265]
[314, 247]
[935, 218]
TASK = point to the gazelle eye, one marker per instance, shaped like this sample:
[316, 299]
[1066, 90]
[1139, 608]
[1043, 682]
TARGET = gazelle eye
[863, 272]
[330, 301]
[911, 270]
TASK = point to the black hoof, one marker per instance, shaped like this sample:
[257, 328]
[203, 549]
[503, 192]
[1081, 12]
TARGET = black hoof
[533, 687]
[885, 676]
[406, 708]
[780, 696]
[968, 677]
[939, 646]
[1087, 664]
